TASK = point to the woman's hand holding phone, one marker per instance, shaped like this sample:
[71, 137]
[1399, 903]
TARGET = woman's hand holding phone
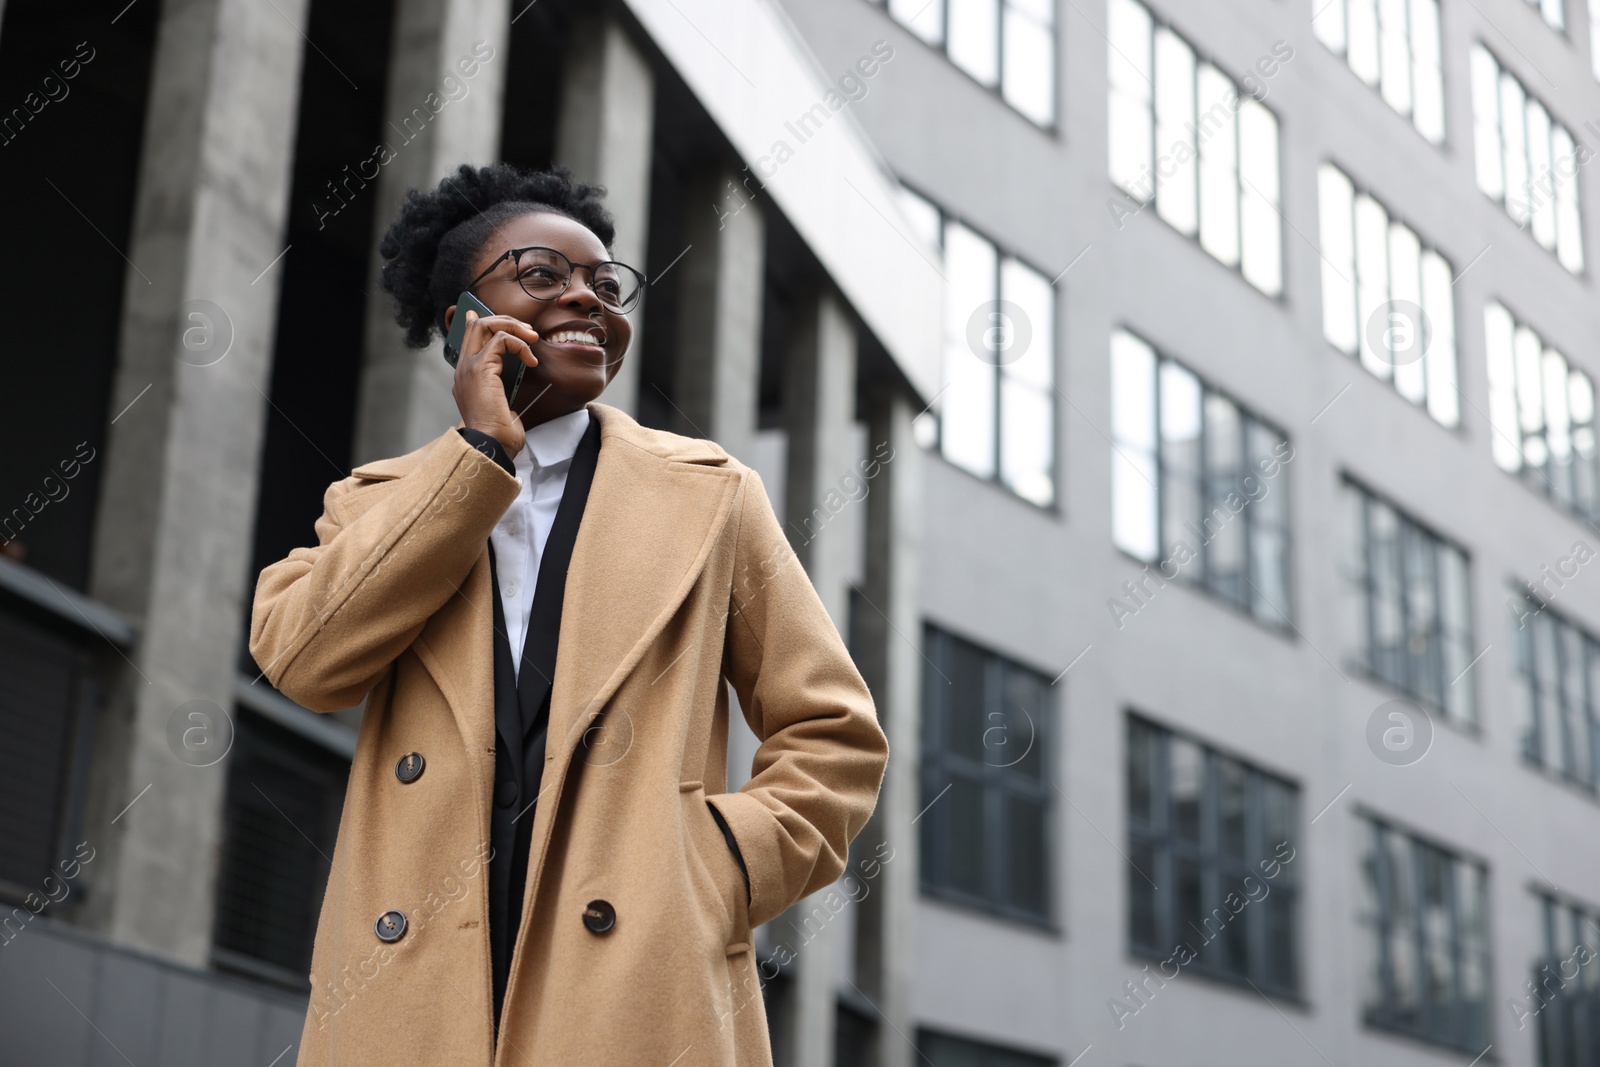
[479, 390]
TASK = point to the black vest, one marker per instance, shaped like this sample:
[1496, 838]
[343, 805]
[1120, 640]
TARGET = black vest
[522, 714]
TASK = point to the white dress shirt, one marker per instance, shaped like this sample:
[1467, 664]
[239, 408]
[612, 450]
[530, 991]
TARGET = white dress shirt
[523, 531]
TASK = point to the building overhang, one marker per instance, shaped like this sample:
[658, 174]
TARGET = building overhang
[749, 68]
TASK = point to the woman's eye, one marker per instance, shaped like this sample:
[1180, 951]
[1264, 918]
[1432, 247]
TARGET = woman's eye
[540, 274]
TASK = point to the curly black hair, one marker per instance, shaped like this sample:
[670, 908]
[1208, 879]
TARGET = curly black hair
[429, 250]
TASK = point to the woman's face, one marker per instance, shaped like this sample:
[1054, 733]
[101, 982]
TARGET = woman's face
[570, 373]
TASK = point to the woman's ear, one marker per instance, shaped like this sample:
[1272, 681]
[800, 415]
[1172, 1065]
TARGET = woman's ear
[449, 315]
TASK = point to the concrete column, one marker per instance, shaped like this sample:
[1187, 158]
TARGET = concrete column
[819, 408]
[604, 134]
[405, 393]
[719, 314]
[177, 504]
[892, 665]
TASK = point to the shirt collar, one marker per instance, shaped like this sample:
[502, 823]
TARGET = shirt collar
[556, 440]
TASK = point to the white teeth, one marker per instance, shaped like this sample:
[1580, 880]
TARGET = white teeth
[573, 337]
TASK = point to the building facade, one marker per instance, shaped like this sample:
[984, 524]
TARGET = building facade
[1184, 408]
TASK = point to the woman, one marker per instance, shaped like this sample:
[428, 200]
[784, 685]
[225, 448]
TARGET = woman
[538, 861]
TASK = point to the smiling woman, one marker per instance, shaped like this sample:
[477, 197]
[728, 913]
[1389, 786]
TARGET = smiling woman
[540, 610]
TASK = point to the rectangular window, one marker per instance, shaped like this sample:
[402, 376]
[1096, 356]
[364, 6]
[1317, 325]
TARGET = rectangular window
[947, 1050]
[1594, 37]
[1526, 161]
[281, 817]
[1541, 413]
[1197, 484]
[1211, 842]
[995, 415]
[1184, 137]
[1412, 621]
[1393, 46]
[1387, 297]
[1005, 45]
[987, 724]
[1560, 668]
[1563, 1003]
[1425, 910]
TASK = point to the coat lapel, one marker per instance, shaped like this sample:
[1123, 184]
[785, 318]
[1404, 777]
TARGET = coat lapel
[655, 508]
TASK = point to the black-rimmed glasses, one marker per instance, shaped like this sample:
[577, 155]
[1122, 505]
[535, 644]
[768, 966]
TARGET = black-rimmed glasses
[545, 274]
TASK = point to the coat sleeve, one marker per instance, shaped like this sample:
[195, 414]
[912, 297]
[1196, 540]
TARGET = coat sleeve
[821, 762]
[327, 621]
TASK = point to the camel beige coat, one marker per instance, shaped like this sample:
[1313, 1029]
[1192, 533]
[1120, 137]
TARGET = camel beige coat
[680, 576]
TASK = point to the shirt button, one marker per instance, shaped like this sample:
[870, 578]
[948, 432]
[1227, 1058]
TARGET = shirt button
[511, 590]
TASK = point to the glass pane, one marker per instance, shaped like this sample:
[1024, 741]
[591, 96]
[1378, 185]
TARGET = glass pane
[923, 217]
[974, 41]
[1336, 212]
[964, 809]
[1028, 81]
[1180, 456]
[1133, 473]
[967, 419]
[1187, 784]
[1406, 338]
[1025, 854]
[1513, 110]
[1224, 552]
[1328, 24]
[925, 18]
[1232, 798]
[1191, 928]
[1026, 705]
[1142, 750]
[1030, 291]
[1143, 928]
[968, 704]
[1439, 306]
[1394, 55]
[1175, 148]
[1362, 48]
[1027, 440]
[1505, 435]
[1219, 180]
[1486, 122]
[1130, 117]
[1372, 281]
[1282, 960]
[1279, 812]
[1402, 931]
[1260, 258]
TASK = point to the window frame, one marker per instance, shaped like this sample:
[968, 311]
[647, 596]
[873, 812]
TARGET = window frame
[1366, 660]
[1243, 189]
[941, 45]
[933, 417]
[1554, 1017]
[1275, 618]
[1359, 351]
[1341, 49]
[940, 766]
[1378, 1012]
[1219, 873]
[1545, 699]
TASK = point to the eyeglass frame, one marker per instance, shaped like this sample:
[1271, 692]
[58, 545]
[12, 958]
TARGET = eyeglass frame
[515, 254]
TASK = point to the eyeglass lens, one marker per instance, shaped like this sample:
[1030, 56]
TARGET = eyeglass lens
[545, 274]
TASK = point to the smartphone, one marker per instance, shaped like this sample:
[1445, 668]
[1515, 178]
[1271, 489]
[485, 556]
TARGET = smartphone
[511, 369]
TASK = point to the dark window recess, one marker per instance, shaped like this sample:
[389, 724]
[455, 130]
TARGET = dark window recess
[284, 799]
[985, 793]
[1212, 871]
[45, 682]
[854, 1031]
[945, 1050]
[1426, 913]
[1562, 999]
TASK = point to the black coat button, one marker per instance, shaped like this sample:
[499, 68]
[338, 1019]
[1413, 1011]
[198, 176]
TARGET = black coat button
[599, 916]
[505, 793]
[391, 926]
[410, 767]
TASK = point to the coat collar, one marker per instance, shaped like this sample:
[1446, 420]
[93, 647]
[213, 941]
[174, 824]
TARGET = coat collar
[656, 506]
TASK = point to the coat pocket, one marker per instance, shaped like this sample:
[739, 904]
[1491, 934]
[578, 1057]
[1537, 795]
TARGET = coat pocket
[718, 861]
